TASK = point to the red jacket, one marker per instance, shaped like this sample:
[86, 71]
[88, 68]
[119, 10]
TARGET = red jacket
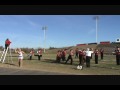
[64, 53]
[7, 42]
[96, 53]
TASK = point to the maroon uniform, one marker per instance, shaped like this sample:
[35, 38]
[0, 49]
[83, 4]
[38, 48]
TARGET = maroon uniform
[39, 54]
[117, 57]
[101, 53]
[64, 55]
[96, 56]
[31, 54]
[77, 52]
[58, 57]
[70, 57]
[80, 57]
[84, 56]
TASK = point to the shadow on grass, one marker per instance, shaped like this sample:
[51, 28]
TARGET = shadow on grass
[28, 59]
[11, 56]
[10, 64]
[106, 67]
[55, 62]
[49, 61]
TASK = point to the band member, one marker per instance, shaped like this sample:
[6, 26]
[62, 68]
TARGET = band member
[91, 49]
[39, 54]
[88, 57]
[64, 55]
[117, 56]
[96, 56]
[31, 54]
[61, 54]
[80, 57]
[76, 53]
[101, 53]
[58, 57]
[20, 57]
[7, 43]
[70, 57]
[84, 56]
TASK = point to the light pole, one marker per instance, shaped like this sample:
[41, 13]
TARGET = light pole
[44, 28]
[96, 18]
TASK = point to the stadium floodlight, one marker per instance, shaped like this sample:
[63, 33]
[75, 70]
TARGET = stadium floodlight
[44, 28]
[96, 18]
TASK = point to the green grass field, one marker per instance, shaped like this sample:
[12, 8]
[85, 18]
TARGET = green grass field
[105, 67]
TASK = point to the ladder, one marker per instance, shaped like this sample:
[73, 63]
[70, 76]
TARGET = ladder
[4, 53]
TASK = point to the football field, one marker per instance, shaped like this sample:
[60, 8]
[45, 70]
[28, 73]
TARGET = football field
[48, 66]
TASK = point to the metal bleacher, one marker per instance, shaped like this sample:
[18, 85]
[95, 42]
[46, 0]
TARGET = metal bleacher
[108, 48]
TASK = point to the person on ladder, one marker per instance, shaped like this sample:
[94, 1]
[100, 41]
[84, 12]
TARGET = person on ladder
[7, 43]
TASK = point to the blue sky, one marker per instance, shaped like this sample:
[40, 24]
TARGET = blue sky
[63, 30]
